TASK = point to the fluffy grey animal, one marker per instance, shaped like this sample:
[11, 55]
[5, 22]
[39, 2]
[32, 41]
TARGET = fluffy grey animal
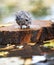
[23, 18]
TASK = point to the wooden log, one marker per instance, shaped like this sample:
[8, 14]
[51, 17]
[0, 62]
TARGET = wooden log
[13, 35]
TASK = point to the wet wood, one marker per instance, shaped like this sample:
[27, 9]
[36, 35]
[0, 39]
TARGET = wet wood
[13, 35]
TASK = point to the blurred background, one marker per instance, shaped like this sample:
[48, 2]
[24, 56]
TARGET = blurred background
[39, 9]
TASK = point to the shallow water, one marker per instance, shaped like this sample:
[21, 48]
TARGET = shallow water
[27, 61]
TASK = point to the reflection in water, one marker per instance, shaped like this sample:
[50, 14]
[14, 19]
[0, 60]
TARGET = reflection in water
[41, 64]
[36, 59]
[26, 61]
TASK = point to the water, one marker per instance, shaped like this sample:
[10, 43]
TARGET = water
[28, 61]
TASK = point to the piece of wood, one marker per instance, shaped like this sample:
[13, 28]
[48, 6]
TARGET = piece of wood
[13, 35]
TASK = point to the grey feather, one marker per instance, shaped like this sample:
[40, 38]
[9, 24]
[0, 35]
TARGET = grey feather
[23, 18]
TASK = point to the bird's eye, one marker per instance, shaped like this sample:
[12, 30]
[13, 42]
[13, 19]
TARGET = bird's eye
[26, 19]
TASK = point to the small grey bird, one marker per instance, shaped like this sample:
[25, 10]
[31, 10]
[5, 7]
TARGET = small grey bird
[23, 18]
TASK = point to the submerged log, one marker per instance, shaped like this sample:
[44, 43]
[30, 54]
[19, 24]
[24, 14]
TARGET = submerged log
[13, 35]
